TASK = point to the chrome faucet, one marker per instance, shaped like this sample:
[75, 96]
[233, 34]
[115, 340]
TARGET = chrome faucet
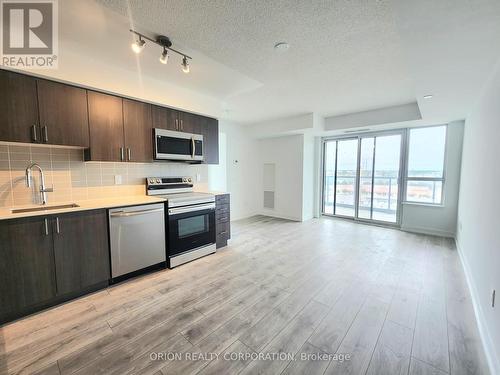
[43, 190]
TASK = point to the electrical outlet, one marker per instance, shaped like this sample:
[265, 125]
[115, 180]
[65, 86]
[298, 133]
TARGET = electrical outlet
[118, 179]
[493, 293]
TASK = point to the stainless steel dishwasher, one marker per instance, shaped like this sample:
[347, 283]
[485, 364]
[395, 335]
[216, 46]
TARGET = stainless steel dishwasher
[137, 237]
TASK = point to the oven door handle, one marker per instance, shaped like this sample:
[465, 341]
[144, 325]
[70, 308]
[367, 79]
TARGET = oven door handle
[193, 148]
[198, 207]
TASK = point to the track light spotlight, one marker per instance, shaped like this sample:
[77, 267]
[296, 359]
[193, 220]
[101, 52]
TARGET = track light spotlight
[138, 45]
[185, 65]
[164, 56]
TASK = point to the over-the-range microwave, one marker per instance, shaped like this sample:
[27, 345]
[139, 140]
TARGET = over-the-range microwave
[172, 145]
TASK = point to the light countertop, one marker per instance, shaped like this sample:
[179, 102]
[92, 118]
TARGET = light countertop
[90, 204]
[84, 205]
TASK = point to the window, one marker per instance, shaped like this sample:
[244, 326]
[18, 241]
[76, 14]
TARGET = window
[425, 178]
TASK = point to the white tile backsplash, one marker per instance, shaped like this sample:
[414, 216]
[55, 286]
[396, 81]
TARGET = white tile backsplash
[74, 179]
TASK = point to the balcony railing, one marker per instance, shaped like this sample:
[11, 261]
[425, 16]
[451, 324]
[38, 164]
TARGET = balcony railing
[385, 193]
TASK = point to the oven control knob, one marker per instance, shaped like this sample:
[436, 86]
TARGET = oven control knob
[190, 180]
[151, 181]
[184, 179]
[158, 181]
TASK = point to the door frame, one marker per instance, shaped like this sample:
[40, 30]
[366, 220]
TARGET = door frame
[402, 172]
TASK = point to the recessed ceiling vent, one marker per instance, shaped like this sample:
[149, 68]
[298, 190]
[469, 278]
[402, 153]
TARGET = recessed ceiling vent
[357, 130]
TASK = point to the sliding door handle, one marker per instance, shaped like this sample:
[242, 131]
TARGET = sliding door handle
[122, 154]
[129, 154]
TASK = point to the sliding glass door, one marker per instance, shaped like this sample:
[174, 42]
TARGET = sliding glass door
[362, 177]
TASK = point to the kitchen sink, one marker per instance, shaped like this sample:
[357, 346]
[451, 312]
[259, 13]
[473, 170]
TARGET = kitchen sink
[43, 208]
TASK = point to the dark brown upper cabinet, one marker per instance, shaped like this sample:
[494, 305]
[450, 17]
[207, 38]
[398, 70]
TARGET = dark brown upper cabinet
[63, 114]
[81, 250]
[210, 132]
[27, 270]
[109, 127]
[105, 128]
[165, 118]
[18, 108]
[190, 123]
[138, 131]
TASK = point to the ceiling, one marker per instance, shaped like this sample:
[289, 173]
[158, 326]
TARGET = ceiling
[345, 56]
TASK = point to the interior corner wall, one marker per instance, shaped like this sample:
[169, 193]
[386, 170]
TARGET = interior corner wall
[308, 178]
[242, 173]
[440, 220]
[478, 236]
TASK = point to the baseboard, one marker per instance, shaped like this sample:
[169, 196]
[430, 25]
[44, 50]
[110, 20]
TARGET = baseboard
[279, 216]
[243, 217]
[489, 348]
[429, 231]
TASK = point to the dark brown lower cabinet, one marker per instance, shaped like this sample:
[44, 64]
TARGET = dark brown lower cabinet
[27, 269]
[222, 220]
[46, 260]
[81, 250]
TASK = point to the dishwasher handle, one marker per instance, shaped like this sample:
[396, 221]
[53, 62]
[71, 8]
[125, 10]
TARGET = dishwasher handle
[135, 213]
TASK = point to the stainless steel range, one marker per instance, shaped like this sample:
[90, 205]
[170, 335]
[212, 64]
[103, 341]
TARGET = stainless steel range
[190, 218]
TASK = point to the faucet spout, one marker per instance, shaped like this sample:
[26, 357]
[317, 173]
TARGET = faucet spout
[43, 189]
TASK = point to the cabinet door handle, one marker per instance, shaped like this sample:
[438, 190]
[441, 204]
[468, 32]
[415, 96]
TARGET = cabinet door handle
[45, 132]
[176, 124]
[122, 156]
[223, 232]
[182, 124]
[129, 154]
[34, 133]
[46, 227]
[58, 229]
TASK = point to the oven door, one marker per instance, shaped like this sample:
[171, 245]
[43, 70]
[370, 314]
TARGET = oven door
[190, 228]
[172, 145]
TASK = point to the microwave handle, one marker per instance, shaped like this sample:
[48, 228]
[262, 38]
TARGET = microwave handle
[193, 146]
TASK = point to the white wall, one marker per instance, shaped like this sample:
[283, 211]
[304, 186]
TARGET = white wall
[217, 173]
[382, 116]
[243, 179]
[287, 155]
[478, 232]
[309, 178]
[295, 163]
[440, 220]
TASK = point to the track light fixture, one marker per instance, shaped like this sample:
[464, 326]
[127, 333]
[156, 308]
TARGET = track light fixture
[163, 42]
[164, 56]
[138, 45]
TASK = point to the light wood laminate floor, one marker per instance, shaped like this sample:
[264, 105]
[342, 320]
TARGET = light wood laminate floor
[396, 303]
